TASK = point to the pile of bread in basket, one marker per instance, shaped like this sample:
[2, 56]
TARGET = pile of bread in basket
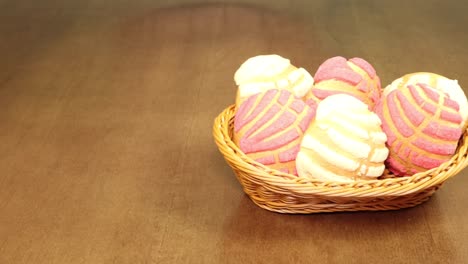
[339, 128]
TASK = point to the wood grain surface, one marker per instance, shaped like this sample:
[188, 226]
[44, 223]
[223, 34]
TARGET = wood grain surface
[106, 153]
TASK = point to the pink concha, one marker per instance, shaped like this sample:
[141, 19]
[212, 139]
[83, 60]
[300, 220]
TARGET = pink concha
[355, 77]
[269, 127]
[451, 88]
[423, 126]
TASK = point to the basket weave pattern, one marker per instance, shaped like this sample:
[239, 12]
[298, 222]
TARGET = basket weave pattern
[286, 193]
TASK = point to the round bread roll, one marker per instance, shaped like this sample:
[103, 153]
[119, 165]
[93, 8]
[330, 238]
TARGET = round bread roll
[344, 143]
[450, 87]
[423, 126]
[355, 77]
[268, 127]
[264, 72]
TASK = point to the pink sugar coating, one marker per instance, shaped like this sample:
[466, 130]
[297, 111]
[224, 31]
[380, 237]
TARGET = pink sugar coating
[251, 146]
[415, 94]
[284, 121]
[378, 108]
[329, 66]
[410, 110]
[430, 92]
[441, 131]
[337, 68]
[264, 102]
[451, 104]
[377, 80]
[426, 105]
[396, 167]
[424, 161]
[311, 102]
[284, 97]
[366, 66]
[404, 153]
[436, 148]
[451, 117]
[297, 106]
[363, 86]
[244, 108]
[375, 96]
[396, 147]
[270, 113]
[430, 108]
[399, 123]
[267, 160]
[289, 154]
[334, 62]
[285, 170]
[390, 135]
[342, 74]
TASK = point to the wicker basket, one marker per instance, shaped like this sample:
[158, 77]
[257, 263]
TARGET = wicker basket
[285, 193]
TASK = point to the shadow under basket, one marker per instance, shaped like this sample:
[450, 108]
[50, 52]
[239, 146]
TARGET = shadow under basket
[285, 193]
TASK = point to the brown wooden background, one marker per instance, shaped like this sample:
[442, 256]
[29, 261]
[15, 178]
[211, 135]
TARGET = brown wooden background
[106, 107]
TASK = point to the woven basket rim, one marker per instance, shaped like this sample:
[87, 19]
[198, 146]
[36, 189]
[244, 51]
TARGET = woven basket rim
[283, 182]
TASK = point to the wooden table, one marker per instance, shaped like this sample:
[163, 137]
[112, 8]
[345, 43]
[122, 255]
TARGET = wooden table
[106, 153]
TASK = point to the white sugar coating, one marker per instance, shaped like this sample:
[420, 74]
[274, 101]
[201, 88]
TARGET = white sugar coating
[375, 171]
[261, 73]
[378, 137]
[282, 84]
[350, 107]
[305, 85]
[345, 141]
[329, 154]
[338, 103]
[356, 148]
[249, 89]
[296, 75]
[379, 155]
[350, 127]
[261, 66]
[363, 169]
[307, 167]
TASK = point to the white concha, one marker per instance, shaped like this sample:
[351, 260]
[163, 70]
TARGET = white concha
[264, 72]
[261, 66]
[337, 148]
